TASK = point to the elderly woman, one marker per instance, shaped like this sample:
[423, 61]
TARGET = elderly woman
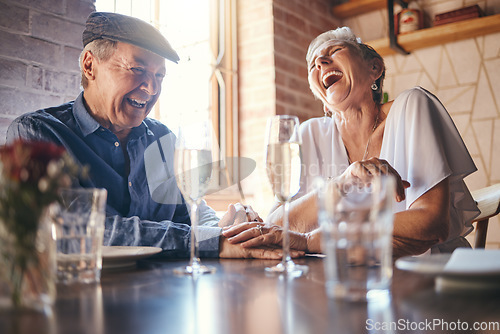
[412, 137]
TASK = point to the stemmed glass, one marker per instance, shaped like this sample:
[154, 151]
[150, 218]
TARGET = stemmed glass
[193, 172]
[283, 165]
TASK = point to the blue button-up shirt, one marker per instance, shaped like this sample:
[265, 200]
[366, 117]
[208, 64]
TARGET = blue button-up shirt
[145, 207]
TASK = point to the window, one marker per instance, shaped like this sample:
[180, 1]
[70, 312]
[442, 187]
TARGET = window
[203, 83]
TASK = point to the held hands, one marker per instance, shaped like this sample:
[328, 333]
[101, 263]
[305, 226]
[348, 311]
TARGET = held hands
[253, 234]
[237, 222]
[365, 169]
[239, 213]
[233, 250]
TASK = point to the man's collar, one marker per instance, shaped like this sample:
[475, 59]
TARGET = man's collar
[83, 118]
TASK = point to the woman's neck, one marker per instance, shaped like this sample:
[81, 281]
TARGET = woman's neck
[362, 130]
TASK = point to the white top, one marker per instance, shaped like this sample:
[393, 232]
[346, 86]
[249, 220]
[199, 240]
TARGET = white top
[420, 141]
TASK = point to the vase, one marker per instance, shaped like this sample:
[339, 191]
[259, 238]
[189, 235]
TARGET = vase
[28, 267]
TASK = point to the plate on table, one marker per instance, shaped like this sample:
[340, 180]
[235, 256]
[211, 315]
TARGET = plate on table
[125, 256]
[472, 269]
[425, 264]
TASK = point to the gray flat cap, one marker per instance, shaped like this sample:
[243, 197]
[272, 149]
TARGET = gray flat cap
[127, 29]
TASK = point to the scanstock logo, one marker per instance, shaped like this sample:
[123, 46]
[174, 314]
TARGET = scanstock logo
[159, 164]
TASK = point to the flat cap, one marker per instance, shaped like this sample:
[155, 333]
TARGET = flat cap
[127, 29]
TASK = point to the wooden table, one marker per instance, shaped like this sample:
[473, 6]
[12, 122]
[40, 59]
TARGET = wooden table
[241, 299]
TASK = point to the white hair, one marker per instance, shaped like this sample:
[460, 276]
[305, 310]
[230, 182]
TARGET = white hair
[343, 35]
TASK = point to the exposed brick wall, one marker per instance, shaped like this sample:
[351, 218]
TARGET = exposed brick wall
[39, 46]
[273, 36]
[296, 23]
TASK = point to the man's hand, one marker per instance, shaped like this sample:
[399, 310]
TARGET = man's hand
[239, 213]
[236, 251]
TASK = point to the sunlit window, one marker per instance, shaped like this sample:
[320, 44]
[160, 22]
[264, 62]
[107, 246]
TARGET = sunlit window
[203, 84]
[186, 25]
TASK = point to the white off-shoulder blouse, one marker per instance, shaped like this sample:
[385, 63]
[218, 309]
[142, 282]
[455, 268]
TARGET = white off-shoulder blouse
[420, 141]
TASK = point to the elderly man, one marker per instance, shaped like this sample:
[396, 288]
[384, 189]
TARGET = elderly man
[107, 129]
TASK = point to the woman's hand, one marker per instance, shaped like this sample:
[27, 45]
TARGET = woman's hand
[236, 251]
[366, 169]
[239, 213]
[252, 234]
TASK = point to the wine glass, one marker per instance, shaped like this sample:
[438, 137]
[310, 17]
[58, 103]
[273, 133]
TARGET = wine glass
[193, 172]
[283, 169]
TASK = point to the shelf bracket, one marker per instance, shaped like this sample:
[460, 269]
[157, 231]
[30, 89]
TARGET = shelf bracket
[393, 38]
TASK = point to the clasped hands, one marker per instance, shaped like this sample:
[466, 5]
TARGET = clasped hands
[242, 220]
[253, 234]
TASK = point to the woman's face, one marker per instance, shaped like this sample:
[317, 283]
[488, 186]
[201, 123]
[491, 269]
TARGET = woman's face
[339, 76]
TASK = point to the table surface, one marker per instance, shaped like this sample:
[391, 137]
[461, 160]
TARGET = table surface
[240, 298]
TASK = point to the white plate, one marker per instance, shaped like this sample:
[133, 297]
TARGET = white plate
[466, 277]
[434, 265]
[125, 256]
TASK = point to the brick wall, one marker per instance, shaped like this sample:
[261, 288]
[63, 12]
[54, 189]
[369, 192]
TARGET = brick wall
[273, 36]
[40, 42]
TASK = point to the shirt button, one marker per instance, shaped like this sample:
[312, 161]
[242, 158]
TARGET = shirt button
[117, 144]
[129, 184]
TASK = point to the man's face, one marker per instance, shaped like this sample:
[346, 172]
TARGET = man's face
[126, 86]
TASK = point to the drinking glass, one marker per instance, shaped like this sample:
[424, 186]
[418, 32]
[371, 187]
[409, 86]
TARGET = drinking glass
[193, 172]
[283, 165]
[356, 219]
[79, 230]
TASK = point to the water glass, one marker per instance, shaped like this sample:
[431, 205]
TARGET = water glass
[356, 219]
[79, 230]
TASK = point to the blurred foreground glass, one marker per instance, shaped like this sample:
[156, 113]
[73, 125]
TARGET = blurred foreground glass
[356, 220]
[283, 164]
[193, 173]
[79, 230]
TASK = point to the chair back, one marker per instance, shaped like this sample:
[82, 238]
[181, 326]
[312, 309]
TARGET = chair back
[488, 201]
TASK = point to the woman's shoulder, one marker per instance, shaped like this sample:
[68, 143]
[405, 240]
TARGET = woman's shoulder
[415, 95]
[414, 100]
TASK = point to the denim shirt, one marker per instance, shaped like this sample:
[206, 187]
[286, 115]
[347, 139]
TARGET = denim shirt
[145, 207]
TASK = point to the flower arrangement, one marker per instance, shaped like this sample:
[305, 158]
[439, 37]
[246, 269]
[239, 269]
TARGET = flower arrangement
[31, 175]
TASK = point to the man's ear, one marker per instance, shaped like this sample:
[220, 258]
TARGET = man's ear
[88, 65]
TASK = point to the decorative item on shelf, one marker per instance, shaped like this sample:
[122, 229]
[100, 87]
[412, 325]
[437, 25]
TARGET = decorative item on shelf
[458, 15]
[31, 175]
[409, 19]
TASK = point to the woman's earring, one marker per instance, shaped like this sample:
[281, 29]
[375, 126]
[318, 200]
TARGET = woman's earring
[374, 86]
[327, 113]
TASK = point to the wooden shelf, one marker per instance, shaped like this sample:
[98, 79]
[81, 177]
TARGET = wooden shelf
[356, 7]
[441, 34]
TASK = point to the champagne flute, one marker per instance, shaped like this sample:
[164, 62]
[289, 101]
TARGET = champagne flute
[283, 166]
[193, 172]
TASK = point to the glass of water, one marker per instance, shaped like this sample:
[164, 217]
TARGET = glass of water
[79, 230]
[356, 219]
